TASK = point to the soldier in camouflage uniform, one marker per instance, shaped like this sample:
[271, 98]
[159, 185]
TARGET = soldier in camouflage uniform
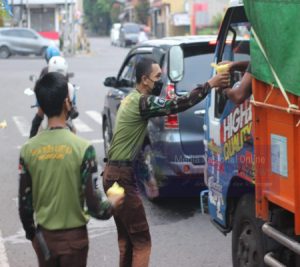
[129, 133]
[58, 174]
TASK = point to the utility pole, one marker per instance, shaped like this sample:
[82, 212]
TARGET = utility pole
[65, 48]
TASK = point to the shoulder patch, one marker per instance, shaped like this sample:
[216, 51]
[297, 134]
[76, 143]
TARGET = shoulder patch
[159, 101]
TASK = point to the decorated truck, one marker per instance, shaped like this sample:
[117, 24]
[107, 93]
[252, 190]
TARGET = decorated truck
[253, 149]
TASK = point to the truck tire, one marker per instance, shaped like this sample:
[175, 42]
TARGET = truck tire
[248, 247]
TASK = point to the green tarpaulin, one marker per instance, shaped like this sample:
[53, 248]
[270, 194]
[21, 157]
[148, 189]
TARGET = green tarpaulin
[277, 25]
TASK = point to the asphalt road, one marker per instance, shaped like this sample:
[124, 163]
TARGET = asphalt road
[181, 236]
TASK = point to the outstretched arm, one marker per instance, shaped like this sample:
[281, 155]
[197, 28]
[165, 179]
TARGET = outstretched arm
[152, 106]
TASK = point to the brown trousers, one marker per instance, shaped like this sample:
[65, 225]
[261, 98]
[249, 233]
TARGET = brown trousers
[133, 230]
[67, 247]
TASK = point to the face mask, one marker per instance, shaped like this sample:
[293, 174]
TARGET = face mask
[73, 113]
[157, 87]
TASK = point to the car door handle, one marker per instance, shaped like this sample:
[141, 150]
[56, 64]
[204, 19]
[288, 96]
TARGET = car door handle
[200, 112]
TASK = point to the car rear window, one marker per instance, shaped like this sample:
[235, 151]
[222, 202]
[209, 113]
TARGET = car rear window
[197, 69]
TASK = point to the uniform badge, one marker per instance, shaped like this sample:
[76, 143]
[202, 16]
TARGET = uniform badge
[159, 101]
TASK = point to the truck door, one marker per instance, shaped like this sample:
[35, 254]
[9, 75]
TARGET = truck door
[223, 121]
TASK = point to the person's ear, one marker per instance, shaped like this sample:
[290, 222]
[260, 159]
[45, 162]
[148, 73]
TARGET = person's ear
[67, 104]
[144, 80]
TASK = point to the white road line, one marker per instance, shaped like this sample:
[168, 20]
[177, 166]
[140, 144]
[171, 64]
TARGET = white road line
[22, 125]
[81, 126]
[96, 116]
[3, 255]
[97, 141]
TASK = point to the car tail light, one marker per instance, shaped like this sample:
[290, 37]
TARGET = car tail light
[171, 121]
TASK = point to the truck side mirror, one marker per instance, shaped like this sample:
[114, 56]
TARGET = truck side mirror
[176, 64]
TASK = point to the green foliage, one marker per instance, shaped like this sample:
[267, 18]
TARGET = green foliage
[105, 5]
[115, 12]
[217, 20]
[208, 31]
[142, 11]
[99, 14]
[3, 14]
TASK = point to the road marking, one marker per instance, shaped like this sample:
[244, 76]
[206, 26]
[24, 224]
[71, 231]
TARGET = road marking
[97, 141]
[3, 255]
[81, 126]
[22, 125]
[96, 116]
[99, 228]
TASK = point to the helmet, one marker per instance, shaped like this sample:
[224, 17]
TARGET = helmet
[51, 51]
[58, 64]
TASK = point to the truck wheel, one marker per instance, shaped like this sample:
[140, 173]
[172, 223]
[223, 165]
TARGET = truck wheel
[4, 52]
[248, 249]
[106, 137]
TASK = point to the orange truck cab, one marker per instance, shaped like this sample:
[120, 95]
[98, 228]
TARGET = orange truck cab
[253, 149]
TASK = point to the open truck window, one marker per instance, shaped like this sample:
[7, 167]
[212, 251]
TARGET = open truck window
[233, 46]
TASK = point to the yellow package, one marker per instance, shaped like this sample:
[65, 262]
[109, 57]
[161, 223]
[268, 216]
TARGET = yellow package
[220, 68]
[116, 189]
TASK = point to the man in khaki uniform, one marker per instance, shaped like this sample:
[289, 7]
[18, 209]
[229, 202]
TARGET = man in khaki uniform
[129, 133]
[58, 175]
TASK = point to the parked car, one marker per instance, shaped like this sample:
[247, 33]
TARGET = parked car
[129, 33]
[22, 41]
[173, 149]
[115, 34]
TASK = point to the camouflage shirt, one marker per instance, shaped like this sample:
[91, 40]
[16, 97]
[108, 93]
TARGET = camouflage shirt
[134, 112]
[58, 175]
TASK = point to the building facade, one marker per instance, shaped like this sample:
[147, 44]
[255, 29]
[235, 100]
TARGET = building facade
[54, 19]
[177, 17]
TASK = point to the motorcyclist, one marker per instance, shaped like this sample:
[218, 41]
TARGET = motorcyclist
[51, 51]
[57, 64]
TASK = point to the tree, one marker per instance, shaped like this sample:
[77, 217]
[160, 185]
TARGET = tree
[142, 11]
[3, 14]
[97, 15]
[115, 12]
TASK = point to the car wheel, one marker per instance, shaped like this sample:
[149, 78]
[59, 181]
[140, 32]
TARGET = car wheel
[247, 237]
[106, 137]
[150, 184]
[4, 52]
